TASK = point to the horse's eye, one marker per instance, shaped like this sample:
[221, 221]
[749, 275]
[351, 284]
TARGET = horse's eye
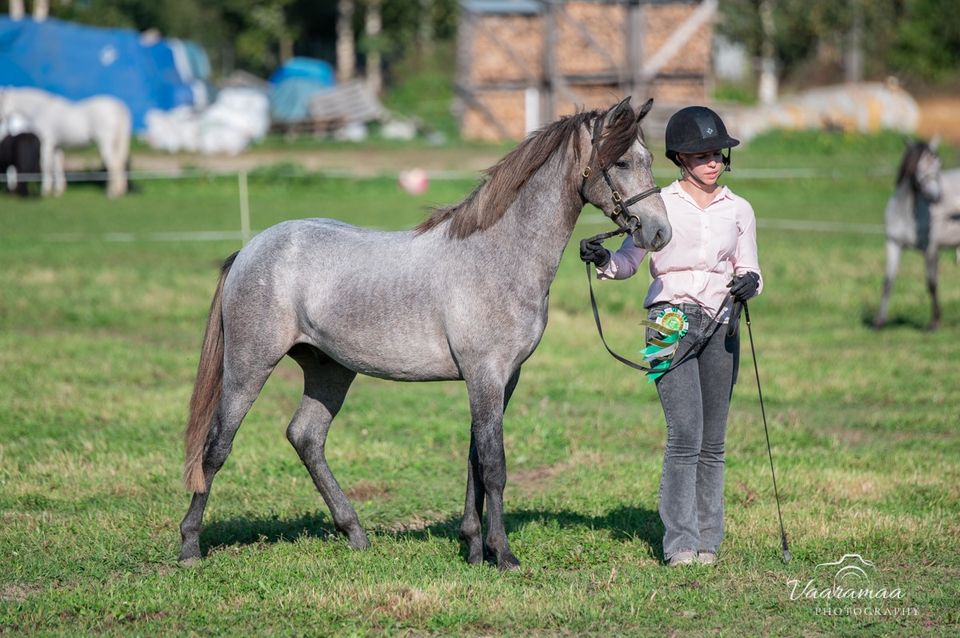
[622, 164]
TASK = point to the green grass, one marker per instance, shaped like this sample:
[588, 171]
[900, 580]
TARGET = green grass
[98, 346]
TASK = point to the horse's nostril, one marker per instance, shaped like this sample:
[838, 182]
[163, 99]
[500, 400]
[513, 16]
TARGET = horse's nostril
[659, 240]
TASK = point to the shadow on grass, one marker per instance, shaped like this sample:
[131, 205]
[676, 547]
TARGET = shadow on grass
[624, 523]
[271, 529]
[895, 321]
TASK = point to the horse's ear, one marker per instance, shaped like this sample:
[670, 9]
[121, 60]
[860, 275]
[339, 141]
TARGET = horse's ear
[644, 109]
[618, 111]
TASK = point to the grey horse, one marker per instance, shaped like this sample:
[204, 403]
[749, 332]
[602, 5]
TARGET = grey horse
[463, 296]
[924, 214]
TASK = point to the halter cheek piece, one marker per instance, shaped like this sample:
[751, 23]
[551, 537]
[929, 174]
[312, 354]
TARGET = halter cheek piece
[621, 214]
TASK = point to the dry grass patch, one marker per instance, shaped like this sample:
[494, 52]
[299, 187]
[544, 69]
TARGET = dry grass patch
[404, 603]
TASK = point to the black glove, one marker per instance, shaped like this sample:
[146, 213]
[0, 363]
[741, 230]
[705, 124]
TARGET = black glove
[592, 251]
[745, 286]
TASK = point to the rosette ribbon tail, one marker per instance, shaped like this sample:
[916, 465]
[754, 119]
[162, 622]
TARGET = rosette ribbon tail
[671, 325]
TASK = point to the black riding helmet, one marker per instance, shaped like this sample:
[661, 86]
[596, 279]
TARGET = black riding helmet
[697, 129]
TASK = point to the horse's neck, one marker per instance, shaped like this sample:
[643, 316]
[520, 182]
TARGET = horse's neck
[532, 234]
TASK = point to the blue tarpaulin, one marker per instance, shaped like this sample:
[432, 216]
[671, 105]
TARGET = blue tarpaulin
[78, 61]
[318, 71]
[294, 83]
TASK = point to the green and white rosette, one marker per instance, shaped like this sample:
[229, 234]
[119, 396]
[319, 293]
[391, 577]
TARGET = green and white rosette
[671, 324]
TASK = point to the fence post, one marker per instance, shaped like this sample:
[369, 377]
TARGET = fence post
[244, 208]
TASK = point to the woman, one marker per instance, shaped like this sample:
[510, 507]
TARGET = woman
[713, 253]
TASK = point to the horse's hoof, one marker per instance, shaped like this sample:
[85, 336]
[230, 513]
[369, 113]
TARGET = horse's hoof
[475, 553]
[358, 540]
[189, 554]
[187, 563]
[508, 562]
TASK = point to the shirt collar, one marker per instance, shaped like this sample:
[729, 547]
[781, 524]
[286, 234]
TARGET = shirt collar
[675, 188]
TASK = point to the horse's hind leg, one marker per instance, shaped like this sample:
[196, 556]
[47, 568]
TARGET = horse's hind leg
[238, 394]
[931, 258]
[47, 161]
[325, 385]
[893, 263]
[470, 526]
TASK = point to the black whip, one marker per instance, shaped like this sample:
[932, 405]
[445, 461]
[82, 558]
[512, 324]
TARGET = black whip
[783, 534]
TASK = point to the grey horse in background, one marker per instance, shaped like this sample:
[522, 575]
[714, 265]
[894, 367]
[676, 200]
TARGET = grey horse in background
[924, 214]
[463, 296]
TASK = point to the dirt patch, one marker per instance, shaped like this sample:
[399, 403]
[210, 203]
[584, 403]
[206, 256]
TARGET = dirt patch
[746, 494]
[367, 491]
[17, 593]
[415, 523]
[533, 480]
[939, 115]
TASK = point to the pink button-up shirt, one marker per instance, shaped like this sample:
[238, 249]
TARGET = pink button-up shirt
[709, 246]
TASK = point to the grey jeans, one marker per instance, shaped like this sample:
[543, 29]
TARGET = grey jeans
[696, 399]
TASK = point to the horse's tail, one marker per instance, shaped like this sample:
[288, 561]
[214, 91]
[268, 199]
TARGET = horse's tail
[206, 390]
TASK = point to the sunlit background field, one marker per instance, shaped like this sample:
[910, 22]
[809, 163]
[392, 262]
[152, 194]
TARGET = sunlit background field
[101, 316]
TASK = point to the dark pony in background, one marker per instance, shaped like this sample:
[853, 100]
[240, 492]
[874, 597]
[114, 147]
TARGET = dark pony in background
[461, 297]
[20, 152]
[923, 214]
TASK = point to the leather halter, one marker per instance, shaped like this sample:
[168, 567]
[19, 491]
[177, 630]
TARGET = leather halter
[621, 215]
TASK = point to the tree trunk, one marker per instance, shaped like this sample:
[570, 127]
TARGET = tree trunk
[16, 9]
[41, 9]
[372, 27]
[853, 55]
[346, 54]
[768, 63]
[426, 25]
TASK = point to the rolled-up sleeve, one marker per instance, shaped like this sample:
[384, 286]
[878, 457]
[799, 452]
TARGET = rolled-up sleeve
[624, 262]
[746, 258]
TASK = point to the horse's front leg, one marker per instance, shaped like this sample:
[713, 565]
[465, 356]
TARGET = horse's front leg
[470, 527]
[59, 173]
[893, 263]
[487, 393]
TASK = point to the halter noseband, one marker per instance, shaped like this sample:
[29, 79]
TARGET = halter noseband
[620, 206]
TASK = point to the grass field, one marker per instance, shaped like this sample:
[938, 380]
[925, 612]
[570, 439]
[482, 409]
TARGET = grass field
[100, 326]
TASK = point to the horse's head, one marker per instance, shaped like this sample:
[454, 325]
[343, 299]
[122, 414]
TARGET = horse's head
[618, 179]
[921, 166]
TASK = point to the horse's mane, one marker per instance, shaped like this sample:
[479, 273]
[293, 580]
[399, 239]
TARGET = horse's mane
[488, 202]
[910, 161]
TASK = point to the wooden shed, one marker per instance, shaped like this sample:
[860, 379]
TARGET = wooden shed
[523, 63]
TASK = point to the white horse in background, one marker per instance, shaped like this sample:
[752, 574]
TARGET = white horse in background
[59, 123]
[924, 214]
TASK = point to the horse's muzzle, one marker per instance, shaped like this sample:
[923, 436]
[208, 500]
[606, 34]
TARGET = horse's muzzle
[652, 236]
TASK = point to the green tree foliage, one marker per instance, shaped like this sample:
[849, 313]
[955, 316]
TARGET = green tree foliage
[919, 39]
[252, 34]
[928, 39]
